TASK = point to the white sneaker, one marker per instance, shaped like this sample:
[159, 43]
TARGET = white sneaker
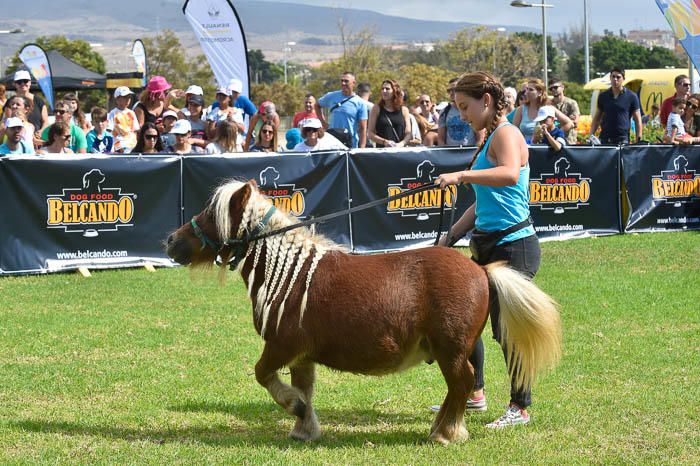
[474, 405]
[512, 417]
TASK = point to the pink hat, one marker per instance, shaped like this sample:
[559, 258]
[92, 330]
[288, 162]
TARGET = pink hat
[158, 84]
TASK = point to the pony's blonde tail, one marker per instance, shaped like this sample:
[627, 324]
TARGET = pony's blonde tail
[529, 324]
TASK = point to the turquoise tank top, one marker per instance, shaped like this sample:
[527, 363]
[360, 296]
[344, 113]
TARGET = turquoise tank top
[498, 208]
[527, 126]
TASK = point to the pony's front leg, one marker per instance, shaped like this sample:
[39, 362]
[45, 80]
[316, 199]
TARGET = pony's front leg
[289, 398]
[303, 376]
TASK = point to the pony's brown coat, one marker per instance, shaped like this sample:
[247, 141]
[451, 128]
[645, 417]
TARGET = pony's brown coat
[372, 314]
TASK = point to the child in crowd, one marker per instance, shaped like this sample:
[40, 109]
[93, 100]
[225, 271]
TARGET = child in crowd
[547, 132]
[122, 121]
[99, 141]
[675, 128]
[167, 138]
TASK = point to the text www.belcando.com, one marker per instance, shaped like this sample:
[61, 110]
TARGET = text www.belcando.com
[566, 227]
[104, 254]
[415, 235]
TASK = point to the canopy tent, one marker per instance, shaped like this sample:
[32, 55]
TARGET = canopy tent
[67, 75]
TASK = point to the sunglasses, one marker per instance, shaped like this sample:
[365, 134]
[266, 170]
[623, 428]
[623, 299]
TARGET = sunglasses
[151, 136]
[685, 84]
[311, 130]
[554, 88]
[60, 112]
[266, 131]
[22, 81]
[66, 136]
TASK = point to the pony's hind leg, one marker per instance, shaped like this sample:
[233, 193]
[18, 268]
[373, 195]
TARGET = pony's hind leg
[303, 376]
[289, 398]
[449, 422]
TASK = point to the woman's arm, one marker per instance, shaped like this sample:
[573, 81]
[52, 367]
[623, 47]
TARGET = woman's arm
[407, 127]
[461, 226]
[565, 122]
[518, 117]
[249, 137]
[140, 116]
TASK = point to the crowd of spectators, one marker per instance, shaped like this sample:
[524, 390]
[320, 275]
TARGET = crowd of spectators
[346, 118]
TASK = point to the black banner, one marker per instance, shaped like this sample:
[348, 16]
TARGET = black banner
[61, 213]
[413, 220]
[302, 184]
[575, 192]
[663, 186]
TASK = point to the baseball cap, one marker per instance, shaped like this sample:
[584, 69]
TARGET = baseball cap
[181, 127]
[223, 90]
[545, 112]
[169, 113]
[235, 85]
[194, 90]
[122, 91]
[196, 99]
[21, 75]
[310, 123]
[13, 122]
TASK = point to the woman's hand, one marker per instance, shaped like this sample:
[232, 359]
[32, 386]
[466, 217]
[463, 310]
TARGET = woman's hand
[447, 179]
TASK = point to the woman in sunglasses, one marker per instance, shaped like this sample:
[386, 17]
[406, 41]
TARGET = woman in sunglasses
[266, 140]
[148, 141]
[315, 139]
[59, 136]
[39, 115]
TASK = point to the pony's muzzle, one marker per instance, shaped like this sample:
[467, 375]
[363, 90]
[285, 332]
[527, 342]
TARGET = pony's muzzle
[178, 249]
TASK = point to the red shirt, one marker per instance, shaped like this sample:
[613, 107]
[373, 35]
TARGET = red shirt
[300, 116]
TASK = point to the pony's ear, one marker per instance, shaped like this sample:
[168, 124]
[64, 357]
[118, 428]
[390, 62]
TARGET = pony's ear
[238, 203]
[253, 183]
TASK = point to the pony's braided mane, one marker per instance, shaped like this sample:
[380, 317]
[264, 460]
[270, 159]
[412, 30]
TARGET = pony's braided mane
[285, 253]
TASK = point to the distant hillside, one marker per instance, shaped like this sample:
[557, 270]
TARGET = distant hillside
[258, 17]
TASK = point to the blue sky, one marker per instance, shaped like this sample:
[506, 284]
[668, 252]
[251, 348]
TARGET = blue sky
[625, 14]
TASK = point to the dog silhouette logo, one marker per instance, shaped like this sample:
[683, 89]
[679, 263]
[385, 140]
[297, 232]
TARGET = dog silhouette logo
[92, 181]
[424, 171]
[561, 167]
[269, 176]
[680, 164]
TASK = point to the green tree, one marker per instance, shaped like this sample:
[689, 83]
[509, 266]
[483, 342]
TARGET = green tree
[167, 57]
[613, 51]
[288, 98]
[261, 70]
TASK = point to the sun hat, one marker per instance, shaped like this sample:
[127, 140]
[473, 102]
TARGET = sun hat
[169, 113]
[14, 122]
[267, 108]
[310, 123]
[194, 90]
[122, 91]
[21, 75]
[235, 85]
[545, 112]
[223, 90]
[158, 84]
[196, 99]
[181, 127]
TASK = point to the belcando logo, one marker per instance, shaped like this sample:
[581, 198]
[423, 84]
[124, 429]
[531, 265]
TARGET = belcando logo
[286, 197]
[561, 190]
[422, 204]
[90, 209]
[677, 186]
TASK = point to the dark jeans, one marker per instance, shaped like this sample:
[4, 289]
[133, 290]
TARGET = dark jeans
[522, 255]
[615, 141]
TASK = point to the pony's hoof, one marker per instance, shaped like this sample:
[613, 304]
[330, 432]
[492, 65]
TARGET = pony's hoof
[438, 438]
[303, 436]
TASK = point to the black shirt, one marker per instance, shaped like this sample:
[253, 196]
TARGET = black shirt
[617, 111]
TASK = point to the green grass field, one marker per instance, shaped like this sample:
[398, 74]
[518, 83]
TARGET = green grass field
[131, 367]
